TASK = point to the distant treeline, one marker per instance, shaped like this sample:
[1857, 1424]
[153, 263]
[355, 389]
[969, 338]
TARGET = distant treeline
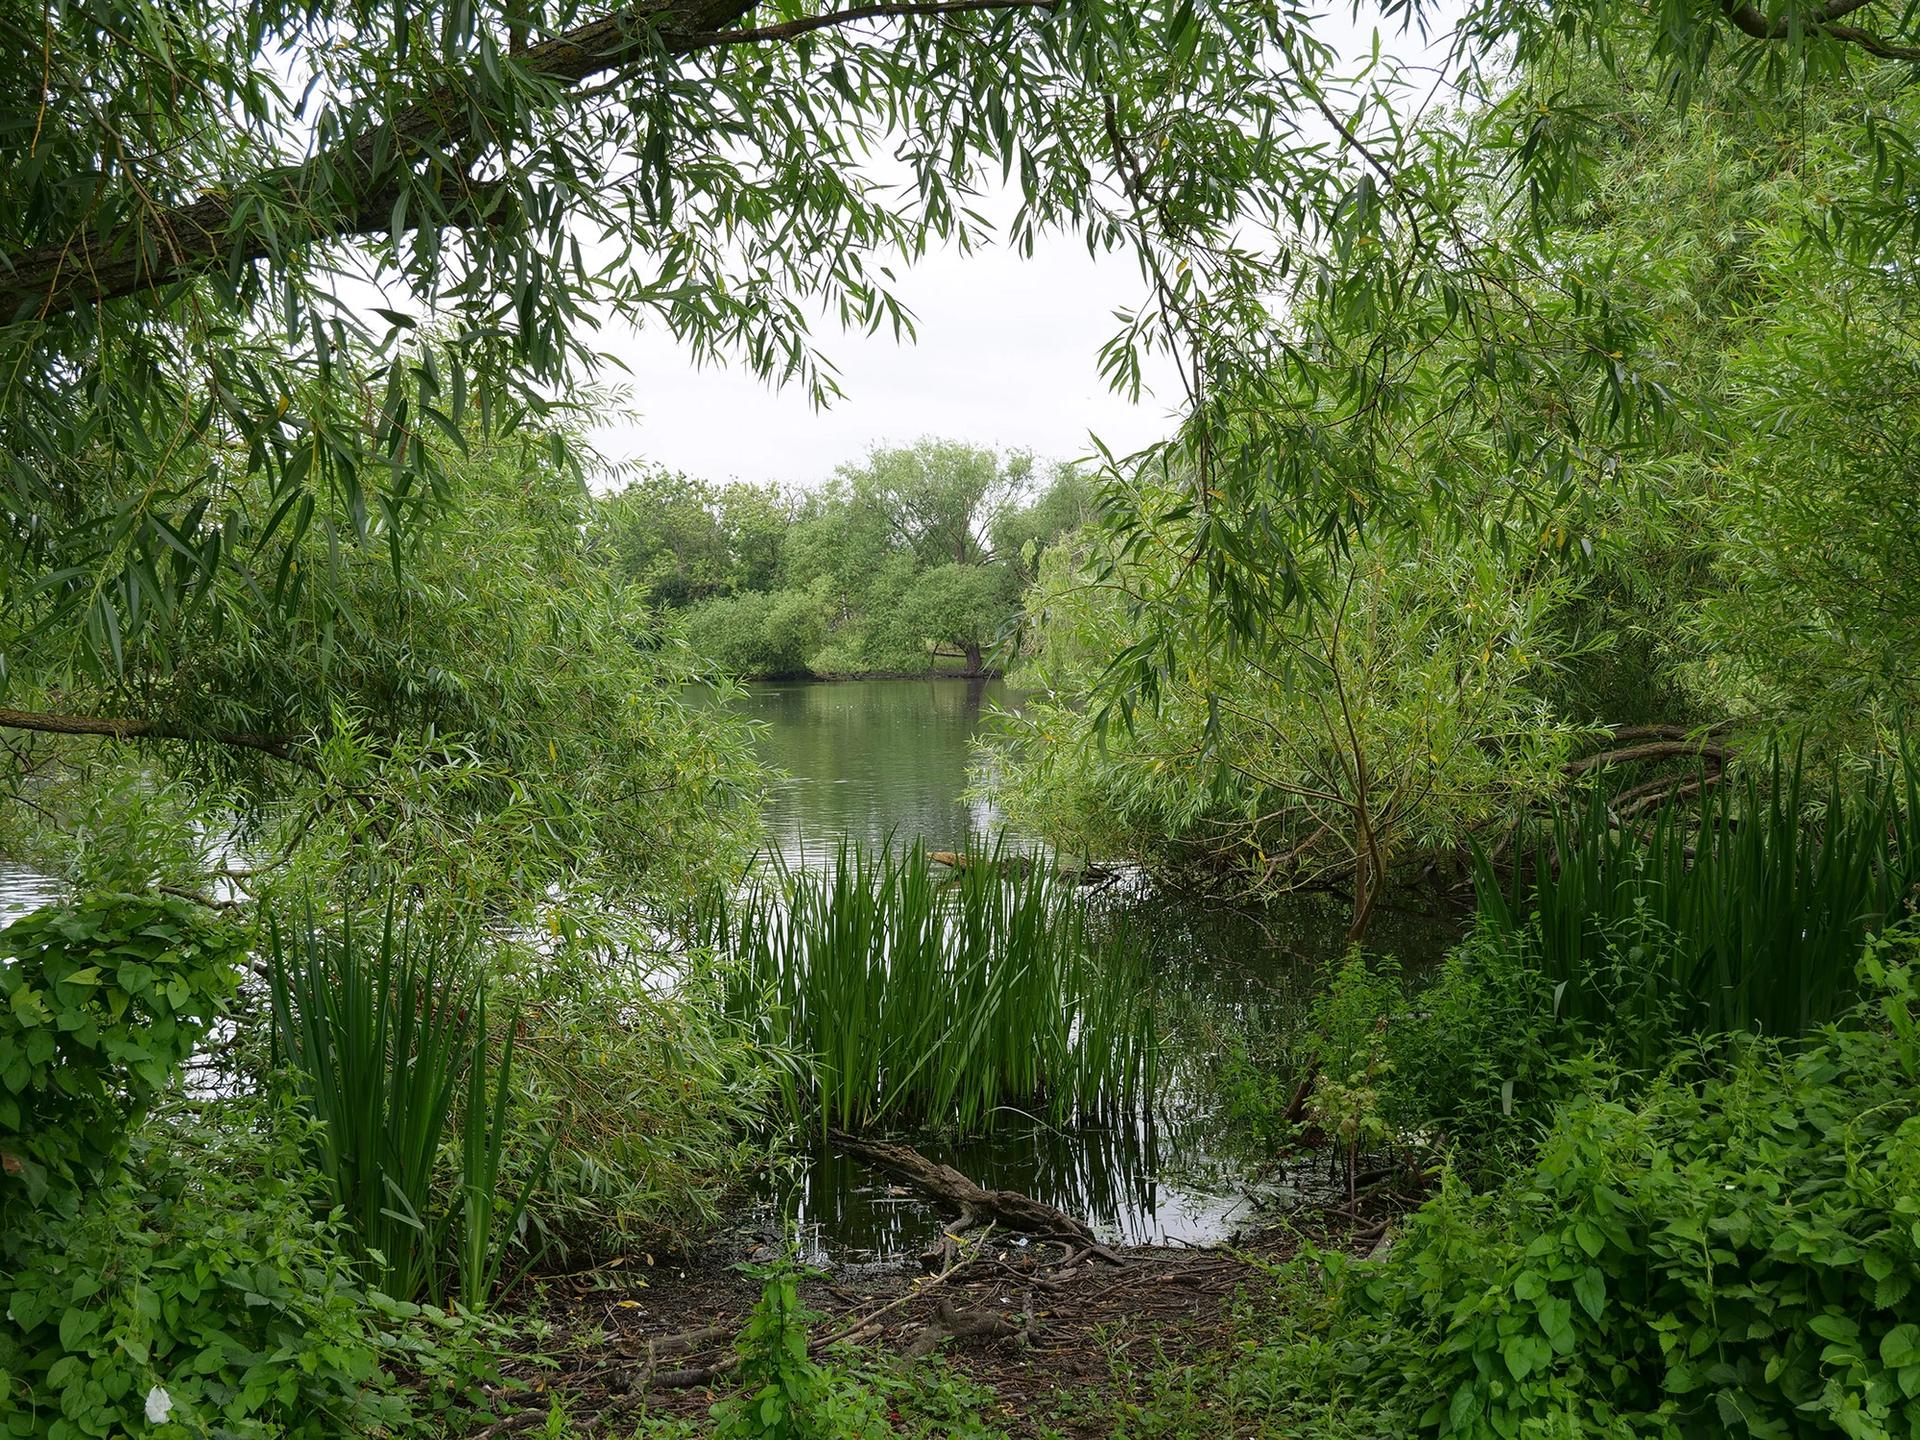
[913, 560]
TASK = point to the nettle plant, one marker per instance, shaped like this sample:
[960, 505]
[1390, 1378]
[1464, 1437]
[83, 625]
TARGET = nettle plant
[101, 1002]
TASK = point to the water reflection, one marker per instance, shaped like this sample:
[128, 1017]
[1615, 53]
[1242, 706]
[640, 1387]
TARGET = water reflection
[865, 759]
[845, 1211]
[23, 890]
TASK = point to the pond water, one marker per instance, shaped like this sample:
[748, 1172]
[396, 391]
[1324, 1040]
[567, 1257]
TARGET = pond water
[869, 761]
[23, 890]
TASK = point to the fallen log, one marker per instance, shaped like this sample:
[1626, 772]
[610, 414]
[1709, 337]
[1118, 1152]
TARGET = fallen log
[1087, 874]
[947, 1187]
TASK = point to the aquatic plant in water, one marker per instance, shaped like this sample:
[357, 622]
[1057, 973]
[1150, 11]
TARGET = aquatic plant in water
[911, 997]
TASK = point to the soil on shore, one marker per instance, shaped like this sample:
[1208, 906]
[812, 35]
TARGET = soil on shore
[1059, 1332]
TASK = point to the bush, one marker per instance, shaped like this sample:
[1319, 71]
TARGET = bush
[204, 1287]
[101, 1001]
[1736, 1252]
[1480, 1053]
[645, 1103]
[758, 632]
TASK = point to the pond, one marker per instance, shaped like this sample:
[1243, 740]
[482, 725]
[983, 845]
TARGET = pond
[880, 760]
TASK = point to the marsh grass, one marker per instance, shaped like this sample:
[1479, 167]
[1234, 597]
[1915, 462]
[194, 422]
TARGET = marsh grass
[1748, 914]
[388, 1032]
[915, 998]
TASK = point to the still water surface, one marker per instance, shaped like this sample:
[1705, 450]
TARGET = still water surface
[862, 759]
[872, 760]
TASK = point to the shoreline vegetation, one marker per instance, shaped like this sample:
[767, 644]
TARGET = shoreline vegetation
[416, 1030]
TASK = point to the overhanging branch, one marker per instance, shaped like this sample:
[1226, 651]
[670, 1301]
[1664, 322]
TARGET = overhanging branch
[227, 229]
[1750, 19]
[280, 747]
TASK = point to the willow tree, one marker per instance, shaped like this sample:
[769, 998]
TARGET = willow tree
[268, 273]
[223, 230]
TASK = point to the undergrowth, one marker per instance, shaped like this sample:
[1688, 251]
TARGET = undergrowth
[1731, 1246]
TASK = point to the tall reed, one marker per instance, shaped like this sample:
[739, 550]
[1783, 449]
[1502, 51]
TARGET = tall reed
[1747, 915]
[389, 1038]
[914, 999]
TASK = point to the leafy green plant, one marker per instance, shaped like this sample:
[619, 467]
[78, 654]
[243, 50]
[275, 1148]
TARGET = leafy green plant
[101, 1001]
[1751, 919]
[789, 1393]
[389, 1040]
[780, 1382]
[203, 1291]
[912, 1000]
[1737, 1251]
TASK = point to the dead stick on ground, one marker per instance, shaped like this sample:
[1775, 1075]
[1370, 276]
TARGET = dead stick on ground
[964, 1259]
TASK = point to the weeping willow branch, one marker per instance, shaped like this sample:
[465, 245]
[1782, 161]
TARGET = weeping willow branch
[356, 188]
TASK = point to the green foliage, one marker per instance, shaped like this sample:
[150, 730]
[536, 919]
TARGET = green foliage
[915, 556]
[1338, 746]
[643, 1109]
[774, 633]
[908, 1000]
[788, 1393]
[200, 1294]
[780, 1382]
[1734, 1253]
[683, 540]
[1751, 920]
[455, 152]
[499, 727]
[390, 1040]
[1481, 1053]
[101, 1001]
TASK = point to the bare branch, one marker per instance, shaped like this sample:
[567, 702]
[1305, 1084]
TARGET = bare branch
[1751, 20]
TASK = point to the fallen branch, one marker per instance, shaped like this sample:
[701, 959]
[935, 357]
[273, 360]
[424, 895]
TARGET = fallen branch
[951, 1323]
[948, 1187]
[1701, 749]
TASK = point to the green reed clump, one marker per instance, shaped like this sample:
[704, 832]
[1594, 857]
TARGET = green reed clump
[389, 1036]
[1748, 914]
[917, 998]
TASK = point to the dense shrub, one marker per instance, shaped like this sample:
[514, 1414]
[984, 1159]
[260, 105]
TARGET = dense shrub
[1735, 1252]
[204, 1289]
[645, 1107]
[163, 1275]
[758, 632]
[101, 1001]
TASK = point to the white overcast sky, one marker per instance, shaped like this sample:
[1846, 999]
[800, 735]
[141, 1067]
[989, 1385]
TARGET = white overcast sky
[1006, 355]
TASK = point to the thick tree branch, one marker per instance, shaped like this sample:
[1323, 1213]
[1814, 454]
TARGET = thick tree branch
[1750, 19]
[281, 747]
[352, 189]
[792, 29]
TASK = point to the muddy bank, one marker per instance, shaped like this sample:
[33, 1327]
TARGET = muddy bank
[1059, 1330]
